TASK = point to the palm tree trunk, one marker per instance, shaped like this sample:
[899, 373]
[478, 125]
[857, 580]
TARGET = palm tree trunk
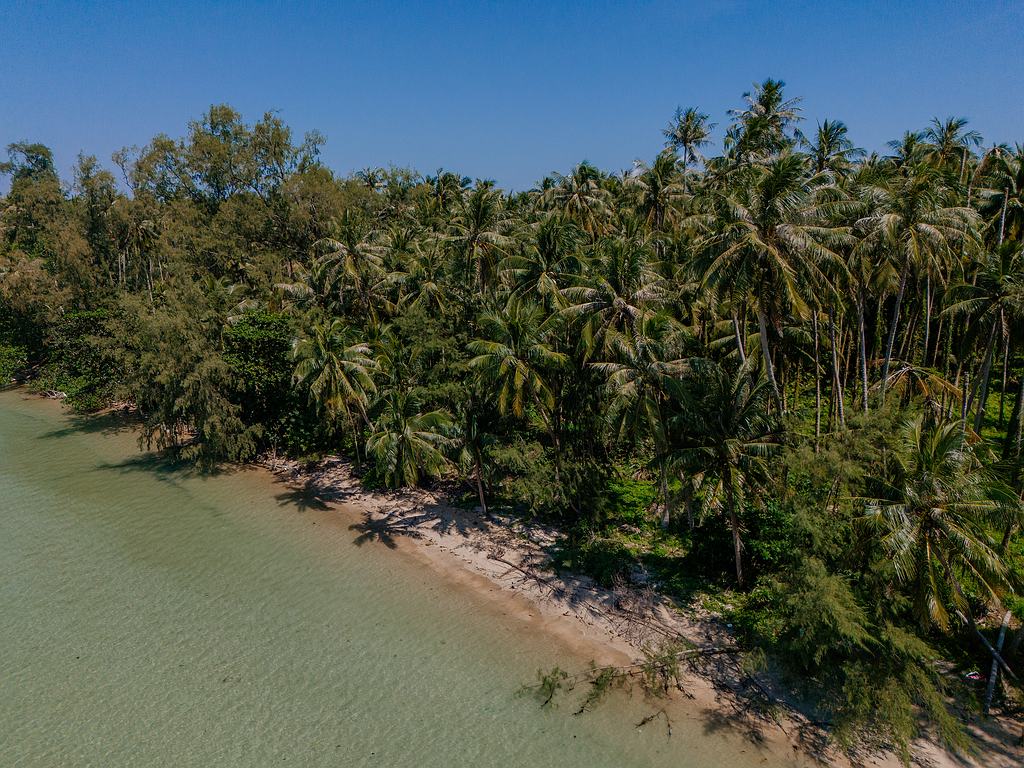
[1002, 216]
[734, 523]
[863, 355]
[836, 381]
[666, 515]
[762, 324]
[1013, 430]
[1002, 388]
[993, 674]
[904, 274]
[817, 384]
[927, 315]
[480, 485]
[739, 338]
[986, 370]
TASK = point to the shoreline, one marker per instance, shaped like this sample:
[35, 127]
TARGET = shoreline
[502, 560]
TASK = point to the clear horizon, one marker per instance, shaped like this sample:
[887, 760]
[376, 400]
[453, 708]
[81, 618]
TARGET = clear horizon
[492, 92]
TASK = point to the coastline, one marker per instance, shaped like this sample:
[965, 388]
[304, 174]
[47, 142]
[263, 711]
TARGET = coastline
[503, 560]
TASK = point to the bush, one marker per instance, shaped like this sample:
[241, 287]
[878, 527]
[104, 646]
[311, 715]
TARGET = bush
[13, 359]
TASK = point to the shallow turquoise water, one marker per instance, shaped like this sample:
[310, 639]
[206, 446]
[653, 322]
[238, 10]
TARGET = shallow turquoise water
[153, 617]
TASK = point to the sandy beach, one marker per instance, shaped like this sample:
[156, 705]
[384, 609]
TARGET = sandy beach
[506, 560]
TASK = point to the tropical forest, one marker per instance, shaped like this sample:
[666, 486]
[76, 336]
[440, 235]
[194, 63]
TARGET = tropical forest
[773, 372]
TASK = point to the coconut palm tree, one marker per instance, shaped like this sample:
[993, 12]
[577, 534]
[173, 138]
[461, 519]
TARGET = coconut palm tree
[514, 360]
[637, 374]
[689, 131]
[830, 148]
[771, 245]
[478, 235]
[581, 198]
[721, 429]
[994, 301]
[659, 189]
[621, 291]
[407, 443]
[353, 258]
[336, 370]
[1003, 202]
[761, 128]
[908, 218]
[930, 517]
[951, 145]
[547, 260]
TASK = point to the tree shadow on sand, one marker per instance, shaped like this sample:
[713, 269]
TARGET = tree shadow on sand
[312, 495]
[395, 524]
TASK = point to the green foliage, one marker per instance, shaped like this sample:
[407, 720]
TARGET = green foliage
[13, 360]
[628, 501]
[603, 558]
[257, 349]
[793, 347]
[76, 364]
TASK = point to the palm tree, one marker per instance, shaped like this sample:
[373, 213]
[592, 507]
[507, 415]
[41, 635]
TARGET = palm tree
[515, 358]
[830, 148]
[354, 257]
[688, 132]
[336, 370]
[477, 235]
[580, 197]
[1003, 201]
[660, 189]
[637, 374]
[475, 438]
[993, 300]
[546, 262]
[760, 129]
[620, 292]
[770, 245]
[951, 144]
[930, 516]
[910, 220]
[721, 429]
[406, 443]
[909, 381]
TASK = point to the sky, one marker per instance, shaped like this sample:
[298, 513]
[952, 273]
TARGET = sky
[504, 91]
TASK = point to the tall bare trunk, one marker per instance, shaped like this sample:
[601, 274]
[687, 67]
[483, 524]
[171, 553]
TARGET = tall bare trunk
[892, 326]
[863, 355]
[817, 384]
[762, 324]
[480, 485]
[1002, 216]
[734, 523]
[739, 338]
[982, 385]
[666, 514]
[993, 674]
[1002, 388]
[836, 381]
[927, 316]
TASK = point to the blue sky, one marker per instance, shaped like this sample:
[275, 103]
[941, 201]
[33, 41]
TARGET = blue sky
[508, 91]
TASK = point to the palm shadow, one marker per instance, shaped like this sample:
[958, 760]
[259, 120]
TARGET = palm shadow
[383, 530]
[446, 520]
[312, 495]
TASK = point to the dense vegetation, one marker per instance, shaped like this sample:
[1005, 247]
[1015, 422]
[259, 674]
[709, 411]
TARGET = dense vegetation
[793, 370]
